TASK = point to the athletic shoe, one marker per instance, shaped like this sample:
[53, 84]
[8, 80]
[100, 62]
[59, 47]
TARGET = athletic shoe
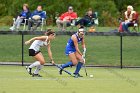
[29, 70]
[12, 28]
[80, 75]
[77, 75]
[36, 75]
[60, 70]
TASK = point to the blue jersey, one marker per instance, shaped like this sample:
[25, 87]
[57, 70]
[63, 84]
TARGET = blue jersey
[70, 47]
[40, 13]
[25, 14]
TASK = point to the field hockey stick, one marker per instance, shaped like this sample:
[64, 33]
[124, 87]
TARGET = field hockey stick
[63, 70]
[84, 53]
[85, 67]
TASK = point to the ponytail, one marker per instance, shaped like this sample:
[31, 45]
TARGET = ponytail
[49, 32]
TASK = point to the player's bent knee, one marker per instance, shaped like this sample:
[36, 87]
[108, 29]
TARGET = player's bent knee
[42, 62]
[74, 63]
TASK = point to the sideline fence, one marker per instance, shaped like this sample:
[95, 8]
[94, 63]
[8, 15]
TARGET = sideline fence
[120, 51]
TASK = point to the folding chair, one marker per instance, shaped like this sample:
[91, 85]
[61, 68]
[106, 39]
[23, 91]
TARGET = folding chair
[96, 21]
[136, 24]
[43, 22]
[24, 23]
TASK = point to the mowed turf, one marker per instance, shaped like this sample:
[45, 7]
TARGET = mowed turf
[101, 50]
[15, 79]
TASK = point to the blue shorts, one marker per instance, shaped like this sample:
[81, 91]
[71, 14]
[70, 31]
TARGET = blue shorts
[69, 51]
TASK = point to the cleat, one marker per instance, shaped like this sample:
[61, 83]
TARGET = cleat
[36, 75]
[29, 70]
[77, 75]
[60, 70]
[12, 28]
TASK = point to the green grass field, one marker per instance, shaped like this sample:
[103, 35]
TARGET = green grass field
[15, 79]
[101, 50]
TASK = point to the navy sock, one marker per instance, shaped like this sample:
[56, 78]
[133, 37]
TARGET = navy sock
[78, 67]
[68, 64]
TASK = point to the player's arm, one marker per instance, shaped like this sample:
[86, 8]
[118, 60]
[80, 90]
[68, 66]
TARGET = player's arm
[35, 38]
[50, 53]
[76, 44]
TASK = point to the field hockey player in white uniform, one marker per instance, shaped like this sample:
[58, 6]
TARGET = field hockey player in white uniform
[35, 52]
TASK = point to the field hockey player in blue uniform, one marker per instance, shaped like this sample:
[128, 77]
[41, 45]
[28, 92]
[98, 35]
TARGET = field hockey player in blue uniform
[75, 55]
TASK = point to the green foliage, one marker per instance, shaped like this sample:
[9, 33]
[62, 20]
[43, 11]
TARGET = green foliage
[108, 10]
[6, 20]
[122, 4]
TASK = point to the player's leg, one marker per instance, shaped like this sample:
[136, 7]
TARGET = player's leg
[79, 65]
[36, 63]
[73, 61]
[36, 72]
[29, 68]
[41, 60]
[37, 69]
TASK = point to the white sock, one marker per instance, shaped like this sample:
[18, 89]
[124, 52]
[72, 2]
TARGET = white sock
[38, 68]
[37, 63]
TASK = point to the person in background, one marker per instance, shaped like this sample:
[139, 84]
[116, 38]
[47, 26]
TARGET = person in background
[36, 17]
[87, 19]
[25, 14]
[66, 18]
[129, 19]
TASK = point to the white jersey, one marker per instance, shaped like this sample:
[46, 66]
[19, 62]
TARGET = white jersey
[39, 43]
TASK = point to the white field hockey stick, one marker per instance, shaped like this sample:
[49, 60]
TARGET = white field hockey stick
[84, 52]
[85, 66]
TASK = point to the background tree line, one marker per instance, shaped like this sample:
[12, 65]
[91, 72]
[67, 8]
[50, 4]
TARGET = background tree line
[108, 10]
